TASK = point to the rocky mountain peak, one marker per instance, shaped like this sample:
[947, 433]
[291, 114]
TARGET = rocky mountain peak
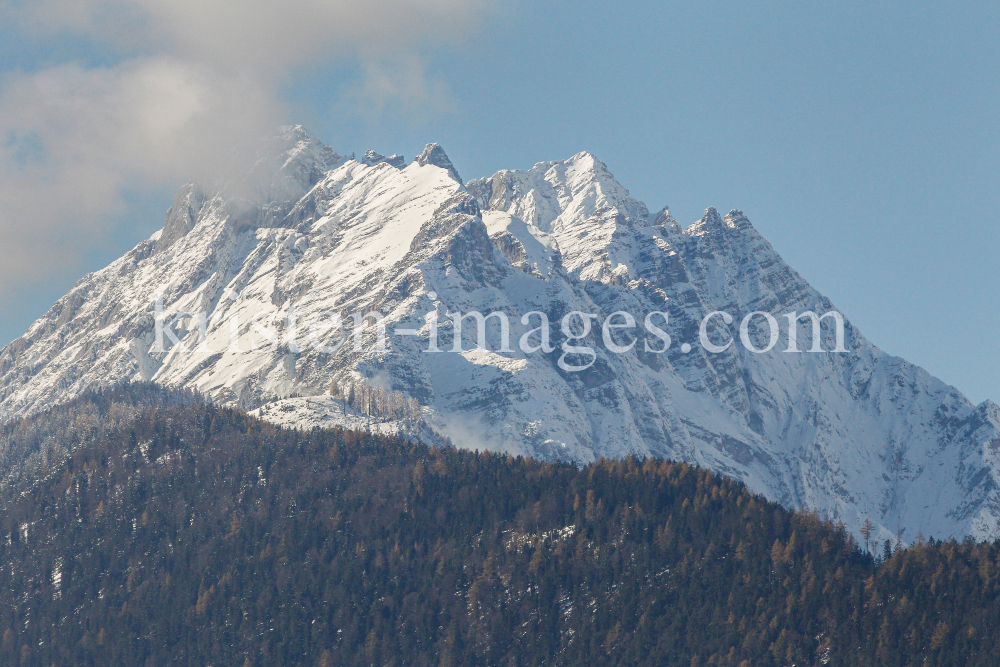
[435, 155]
[710, 222]
[182, 216]
[736, 220]
[372, 158]
[565, 197]
[280, 167]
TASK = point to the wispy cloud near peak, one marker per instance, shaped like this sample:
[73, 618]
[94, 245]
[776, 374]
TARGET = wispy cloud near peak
[188, 80]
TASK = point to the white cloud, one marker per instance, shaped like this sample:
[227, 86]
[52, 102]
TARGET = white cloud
[73, 139]
[403, 86]
[260, 35]
[191, 79]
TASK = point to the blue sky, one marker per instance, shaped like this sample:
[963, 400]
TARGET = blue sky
[861, 139]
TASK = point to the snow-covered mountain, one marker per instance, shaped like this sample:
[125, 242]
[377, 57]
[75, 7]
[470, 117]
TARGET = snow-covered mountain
[306, 233]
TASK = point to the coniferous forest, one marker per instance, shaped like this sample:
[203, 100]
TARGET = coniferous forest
[144, 527]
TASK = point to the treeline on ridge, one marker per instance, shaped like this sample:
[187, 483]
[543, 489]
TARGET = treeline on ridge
[182, 533]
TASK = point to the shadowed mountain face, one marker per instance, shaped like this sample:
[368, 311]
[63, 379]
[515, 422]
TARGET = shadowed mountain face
[308, 234]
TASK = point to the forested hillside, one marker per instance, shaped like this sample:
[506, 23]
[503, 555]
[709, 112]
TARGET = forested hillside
[177, 533]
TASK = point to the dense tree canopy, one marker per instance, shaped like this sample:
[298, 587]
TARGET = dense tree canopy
[179, 533]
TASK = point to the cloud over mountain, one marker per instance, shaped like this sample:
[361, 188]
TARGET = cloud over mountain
[161, 92]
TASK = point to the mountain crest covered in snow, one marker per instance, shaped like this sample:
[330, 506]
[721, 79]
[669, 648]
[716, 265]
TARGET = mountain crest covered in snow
[249, 275]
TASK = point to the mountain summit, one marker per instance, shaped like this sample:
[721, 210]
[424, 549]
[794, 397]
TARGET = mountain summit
[249, 277]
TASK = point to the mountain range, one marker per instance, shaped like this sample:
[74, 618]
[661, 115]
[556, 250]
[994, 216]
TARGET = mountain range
[237, 297]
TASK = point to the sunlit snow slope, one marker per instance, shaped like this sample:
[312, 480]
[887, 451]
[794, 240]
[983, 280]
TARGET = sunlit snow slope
[306, 233]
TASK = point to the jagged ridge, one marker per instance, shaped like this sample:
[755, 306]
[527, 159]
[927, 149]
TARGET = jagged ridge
[860, 435]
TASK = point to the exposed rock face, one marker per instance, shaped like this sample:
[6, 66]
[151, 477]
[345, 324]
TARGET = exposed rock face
[435, 155]
[857, 434]
[181, 217]
[372, 158]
